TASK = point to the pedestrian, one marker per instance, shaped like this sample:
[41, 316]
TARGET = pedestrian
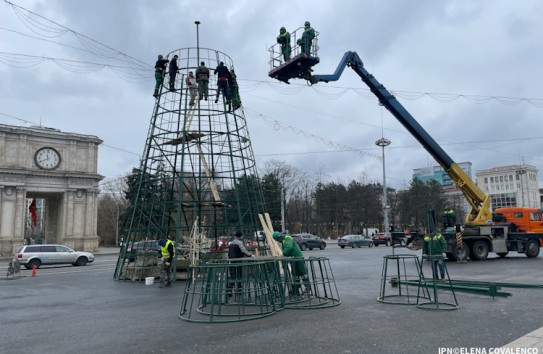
[160, 68]
[202, 77]
[307, 38]
[284, 40]
[222, 82]
[173, 71]
[193, 87]
[234, 90]
[167, 252]
[436, 247]
[236, 250]
[299, 271]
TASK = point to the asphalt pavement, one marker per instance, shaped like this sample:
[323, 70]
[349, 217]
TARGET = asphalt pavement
[69, 309]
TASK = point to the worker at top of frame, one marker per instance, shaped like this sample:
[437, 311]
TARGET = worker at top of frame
[307, 38]
[160, 67]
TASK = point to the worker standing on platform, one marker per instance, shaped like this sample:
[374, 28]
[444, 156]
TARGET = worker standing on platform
[299, 271]
[160, 68]
[284, 40]
[307, 38]
[173, 70]
[234, 90]
[436, 246]
[193, 87]
[222, 82]
[202, 77]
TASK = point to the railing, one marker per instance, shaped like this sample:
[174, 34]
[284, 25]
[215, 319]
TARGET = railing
[276, 55]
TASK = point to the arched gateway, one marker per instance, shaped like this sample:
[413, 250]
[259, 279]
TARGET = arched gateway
[58, 168]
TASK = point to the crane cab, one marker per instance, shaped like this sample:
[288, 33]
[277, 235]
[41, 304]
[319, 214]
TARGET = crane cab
[299, 65]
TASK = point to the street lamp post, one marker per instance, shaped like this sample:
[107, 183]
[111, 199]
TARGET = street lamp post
[197, 23]
[382, 143]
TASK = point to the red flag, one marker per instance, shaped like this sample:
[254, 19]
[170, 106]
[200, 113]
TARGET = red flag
[32, 210]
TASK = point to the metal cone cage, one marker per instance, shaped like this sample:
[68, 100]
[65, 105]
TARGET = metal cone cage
[197, 172]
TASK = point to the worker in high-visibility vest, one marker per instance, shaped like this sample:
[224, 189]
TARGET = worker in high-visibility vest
[284, 40]
[167, 252]
[436, 246]
[449, 218]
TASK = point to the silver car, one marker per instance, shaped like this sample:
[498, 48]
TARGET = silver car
[36, 255]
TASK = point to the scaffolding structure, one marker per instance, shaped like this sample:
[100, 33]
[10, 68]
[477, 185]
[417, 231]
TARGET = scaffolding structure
[197, 165]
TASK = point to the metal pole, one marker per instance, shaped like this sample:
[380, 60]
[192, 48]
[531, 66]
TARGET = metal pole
[382, 143]
[197, 43]
[117, 226]
[282, 209]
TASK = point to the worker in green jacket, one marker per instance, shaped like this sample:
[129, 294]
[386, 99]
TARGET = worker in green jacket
[299, 271]
[307, 38]
[437, 247]
[202, 78]
[449, 217]
[284, 40]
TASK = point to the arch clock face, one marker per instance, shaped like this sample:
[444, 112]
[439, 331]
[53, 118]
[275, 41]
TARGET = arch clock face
[47, 158]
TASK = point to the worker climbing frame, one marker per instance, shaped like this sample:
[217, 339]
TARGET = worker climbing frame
[197, 176]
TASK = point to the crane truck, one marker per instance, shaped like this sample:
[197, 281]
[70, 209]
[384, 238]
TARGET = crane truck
[519, 230]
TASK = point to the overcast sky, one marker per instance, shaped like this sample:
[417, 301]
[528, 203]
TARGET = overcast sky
[470, 72]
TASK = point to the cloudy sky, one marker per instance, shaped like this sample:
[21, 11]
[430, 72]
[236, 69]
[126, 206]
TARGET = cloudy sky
[469, 72]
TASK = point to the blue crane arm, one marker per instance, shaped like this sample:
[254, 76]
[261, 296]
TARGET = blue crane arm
[480, 202]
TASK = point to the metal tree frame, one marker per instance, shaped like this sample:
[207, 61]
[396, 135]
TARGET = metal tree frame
[197, 164]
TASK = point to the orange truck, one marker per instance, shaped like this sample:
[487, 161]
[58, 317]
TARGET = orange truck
[527, 220]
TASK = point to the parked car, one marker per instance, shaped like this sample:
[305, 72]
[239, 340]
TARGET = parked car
[381, 238]
[37, 255]
[141, 247]
[354, 241]
[151, 249]
[309, 241]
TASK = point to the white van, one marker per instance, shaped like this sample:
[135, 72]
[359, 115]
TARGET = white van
[370, 231]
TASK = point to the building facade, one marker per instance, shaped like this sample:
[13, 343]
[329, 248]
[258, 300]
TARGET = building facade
[453, 194]
[60, 171]
[515, 185]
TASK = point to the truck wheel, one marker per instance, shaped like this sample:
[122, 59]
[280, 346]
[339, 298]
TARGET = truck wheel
[479, 250]
[461, 253]
[532, 249]
[502, 254]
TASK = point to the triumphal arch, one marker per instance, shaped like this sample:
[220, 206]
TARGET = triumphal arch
[60, 170]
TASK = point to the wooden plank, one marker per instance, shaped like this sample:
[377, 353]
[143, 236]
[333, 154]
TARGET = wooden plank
[268, 231]
[208, 174]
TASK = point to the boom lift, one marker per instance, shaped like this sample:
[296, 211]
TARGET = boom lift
[480, 236]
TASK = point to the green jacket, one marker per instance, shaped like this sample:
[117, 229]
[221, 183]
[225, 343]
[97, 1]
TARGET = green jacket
[202, 73]
[308, 35]
[434, 245]
[284, 39]
[290, 247]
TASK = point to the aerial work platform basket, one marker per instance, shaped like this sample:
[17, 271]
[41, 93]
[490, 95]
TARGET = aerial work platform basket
[299, 65]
